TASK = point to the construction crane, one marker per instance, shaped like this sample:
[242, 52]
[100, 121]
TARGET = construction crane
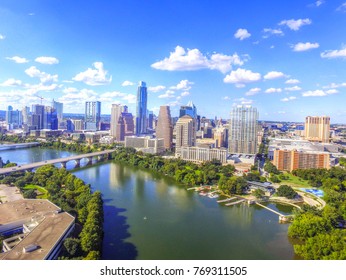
[40, 98]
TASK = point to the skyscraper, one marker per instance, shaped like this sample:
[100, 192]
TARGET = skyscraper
[115, 114]
[120, 129]
[92, 115]
[243, 130]
[13, 118]
[189, 109]
[50, 119]
[59, 107]
[185, 133]
[164, 126]
[317, 129]
[141, 116]
[37, 118]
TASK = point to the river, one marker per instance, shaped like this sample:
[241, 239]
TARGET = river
[149, 216]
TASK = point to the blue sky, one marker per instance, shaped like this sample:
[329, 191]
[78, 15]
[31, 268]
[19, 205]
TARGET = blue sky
[287, 58]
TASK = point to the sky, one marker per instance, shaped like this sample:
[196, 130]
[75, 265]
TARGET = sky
[286, 58]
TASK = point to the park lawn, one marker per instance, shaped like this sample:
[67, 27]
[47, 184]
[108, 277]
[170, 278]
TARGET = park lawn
[43, 191]
[294, 181]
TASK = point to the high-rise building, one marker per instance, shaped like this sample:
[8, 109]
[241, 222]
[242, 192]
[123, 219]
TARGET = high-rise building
[92, 115]
[317, 129]
[185, 133]
[26, 114]
[128, 122]
[78, 125]
[291, 160]
[189, 109]
[13, 118]
[120, 129]
[242, 137]
[150, 119]
[116, 111]
[141, 116]
[59, 108]
[37, 118]
[164, 127]
[50, 119]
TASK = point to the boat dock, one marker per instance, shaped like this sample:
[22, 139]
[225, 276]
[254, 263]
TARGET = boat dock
[226, 200]
[236, 202]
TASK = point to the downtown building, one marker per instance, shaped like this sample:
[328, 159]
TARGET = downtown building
[317, 129]
[288, 160]
[199, 155]
[185, 133]
[141, 110]
[92, 115]
[242, 138]
[164, 127]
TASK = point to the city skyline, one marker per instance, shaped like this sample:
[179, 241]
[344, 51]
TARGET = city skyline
[286, 59]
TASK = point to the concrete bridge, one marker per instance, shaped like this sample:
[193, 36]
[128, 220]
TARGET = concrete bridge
[18, 146]
[100, 155]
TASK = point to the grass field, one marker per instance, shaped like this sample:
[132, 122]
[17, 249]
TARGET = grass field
[44, 192]
[295, 182]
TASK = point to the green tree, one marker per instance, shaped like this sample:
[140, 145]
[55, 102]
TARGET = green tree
[286, 191]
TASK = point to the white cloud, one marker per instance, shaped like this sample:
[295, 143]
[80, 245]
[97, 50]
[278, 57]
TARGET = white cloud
[47, 60]
[185, 93]
[281, 112]
[301, 47]
[127, 83]
[274, 75]
[46, 79]
[273, 90]
[295, 24]
[332, 91]
[290, 98]
[253, 91]
[2, 37]
[173, 103]
[319, 3]
[242, 76]
[292, 81]
[334, 85]
[130, 98]
[294, 88]
[168, 94]
[244, 101]
[342, 8]
[18, 59]
[226, 98]
[94, 77]
[319, 92]
[12, 83]
[242, 34]
[181, 60]
[156, 88]
[334, 53]
[70, 90]
[270, 31]
[183, 85]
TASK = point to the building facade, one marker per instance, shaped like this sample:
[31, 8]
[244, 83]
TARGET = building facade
[317, 129]
[185, 133]
[285, 160]
[92, 115]
[164, 127]
[242, 138]
[198, 155]
[116, 110]
[141, 116]
[145, 144]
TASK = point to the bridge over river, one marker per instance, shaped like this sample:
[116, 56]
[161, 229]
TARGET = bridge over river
[18, 146]
[61, 161]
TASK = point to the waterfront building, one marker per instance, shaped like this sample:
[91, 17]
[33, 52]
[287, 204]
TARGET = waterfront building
[242, 137]
[288, 160]
[92, 115]
[199, 155]
[50, 119]
[145, 144]
[185, 133]
[25, 114]
[141, 112]
[40, 229]
[317, 129]
[129, 123]
[164, 127]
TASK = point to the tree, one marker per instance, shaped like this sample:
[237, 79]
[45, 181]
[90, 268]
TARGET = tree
[258, 193]
[72, 246]
[30, 194]
[271, 168]
[286, 191]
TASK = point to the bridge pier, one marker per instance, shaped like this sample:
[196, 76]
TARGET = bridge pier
[89, 160]
[63, 164]
[77, 163]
